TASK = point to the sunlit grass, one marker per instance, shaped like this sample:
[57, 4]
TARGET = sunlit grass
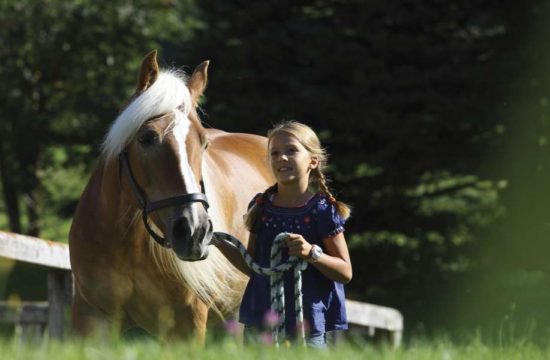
[229, 349]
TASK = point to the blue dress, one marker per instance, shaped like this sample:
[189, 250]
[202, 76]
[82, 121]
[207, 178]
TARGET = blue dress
[323, 299]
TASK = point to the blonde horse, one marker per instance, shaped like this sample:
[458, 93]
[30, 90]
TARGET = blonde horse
[139, 241]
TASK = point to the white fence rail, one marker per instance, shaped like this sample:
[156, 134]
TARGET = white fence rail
[54, 257]
[376, 317]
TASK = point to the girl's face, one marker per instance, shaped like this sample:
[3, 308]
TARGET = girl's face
[290, 161]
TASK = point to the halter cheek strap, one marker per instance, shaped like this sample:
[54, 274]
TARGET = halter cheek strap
[148, 207]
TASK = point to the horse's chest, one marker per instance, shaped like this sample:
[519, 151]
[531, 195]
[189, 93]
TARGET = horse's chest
[105, 285]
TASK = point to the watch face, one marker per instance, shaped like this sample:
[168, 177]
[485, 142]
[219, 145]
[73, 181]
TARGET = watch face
[316, 252]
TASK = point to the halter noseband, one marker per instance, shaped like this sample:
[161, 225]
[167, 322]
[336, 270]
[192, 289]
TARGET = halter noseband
[148, 207]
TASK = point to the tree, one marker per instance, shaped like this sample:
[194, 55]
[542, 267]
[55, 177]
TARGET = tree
[403, 94]
[66, 66]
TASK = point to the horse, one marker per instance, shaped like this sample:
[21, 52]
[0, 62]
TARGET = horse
[139, 240]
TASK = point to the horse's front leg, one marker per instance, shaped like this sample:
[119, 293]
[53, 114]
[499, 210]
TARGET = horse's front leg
[190, 323]
[88, 320]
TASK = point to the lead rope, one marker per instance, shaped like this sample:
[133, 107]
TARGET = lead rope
[275, 272]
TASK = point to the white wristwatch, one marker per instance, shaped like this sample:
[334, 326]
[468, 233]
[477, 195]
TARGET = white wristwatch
[315, 253]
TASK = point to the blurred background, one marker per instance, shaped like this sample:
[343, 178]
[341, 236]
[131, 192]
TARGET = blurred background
[435, 114]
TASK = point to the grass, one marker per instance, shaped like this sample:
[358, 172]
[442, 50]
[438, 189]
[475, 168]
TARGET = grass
[229, 349]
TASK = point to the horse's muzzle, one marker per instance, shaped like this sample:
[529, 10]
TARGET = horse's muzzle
[189, 242]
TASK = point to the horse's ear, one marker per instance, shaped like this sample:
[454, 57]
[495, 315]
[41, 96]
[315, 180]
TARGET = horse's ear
[198, 80]
[148, 72]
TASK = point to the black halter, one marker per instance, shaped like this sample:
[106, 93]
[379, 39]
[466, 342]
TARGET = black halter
[148, 207]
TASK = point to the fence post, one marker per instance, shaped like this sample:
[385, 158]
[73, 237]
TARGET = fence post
[59, 295]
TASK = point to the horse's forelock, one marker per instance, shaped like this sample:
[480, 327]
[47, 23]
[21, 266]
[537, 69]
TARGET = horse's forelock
[168, 93]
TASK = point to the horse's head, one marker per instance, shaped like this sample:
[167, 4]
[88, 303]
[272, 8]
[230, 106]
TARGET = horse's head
[159, 141]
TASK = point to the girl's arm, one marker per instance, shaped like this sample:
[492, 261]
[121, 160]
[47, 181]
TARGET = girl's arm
[234, 255]
[334, 263]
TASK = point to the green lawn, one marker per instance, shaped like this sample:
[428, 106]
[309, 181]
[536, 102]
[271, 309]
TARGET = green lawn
[134, 350]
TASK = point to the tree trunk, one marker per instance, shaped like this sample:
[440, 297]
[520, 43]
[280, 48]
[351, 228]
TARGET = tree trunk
[33, 228]
[9, 192]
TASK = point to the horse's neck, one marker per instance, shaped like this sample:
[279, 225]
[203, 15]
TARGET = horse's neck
[234, 170]
[116, 209]
[218, 195]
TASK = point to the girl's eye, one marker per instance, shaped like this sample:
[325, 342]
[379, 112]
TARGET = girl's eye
[274, 153]
[148, 139]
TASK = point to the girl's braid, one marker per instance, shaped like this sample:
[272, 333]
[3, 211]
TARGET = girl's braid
[268, 192]
[322, 185]
[252, 216]
[319, 177]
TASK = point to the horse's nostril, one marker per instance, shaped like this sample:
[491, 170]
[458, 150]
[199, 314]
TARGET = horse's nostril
[182, 229]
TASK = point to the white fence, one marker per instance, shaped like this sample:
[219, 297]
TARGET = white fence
[32, 317]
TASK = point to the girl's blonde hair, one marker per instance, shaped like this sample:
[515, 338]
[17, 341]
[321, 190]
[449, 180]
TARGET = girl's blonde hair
[317, 179]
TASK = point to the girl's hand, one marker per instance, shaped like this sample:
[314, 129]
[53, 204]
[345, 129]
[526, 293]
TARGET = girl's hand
[298, 246]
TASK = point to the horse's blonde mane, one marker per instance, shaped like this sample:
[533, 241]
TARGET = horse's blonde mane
[214, 280]
[166, 94]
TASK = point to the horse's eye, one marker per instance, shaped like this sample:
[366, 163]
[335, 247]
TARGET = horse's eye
[147, 139]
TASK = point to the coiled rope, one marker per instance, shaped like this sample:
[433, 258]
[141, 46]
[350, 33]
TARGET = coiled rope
[275, 272]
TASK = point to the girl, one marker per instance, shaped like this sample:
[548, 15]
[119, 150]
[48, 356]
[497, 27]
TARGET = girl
[301, 204]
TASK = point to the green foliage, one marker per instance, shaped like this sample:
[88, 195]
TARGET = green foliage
[62, 184]
[67, 66]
